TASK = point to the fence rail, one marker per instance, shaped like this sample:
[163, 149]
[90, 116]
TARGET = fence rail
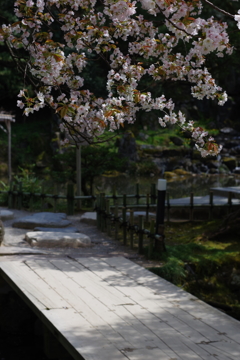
[16, 195]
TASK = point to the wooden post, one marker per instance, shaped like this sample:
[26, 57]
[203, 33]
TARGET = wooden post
[14, 196]
[137, 193]
[31, 198]
[151, 240]
[102, 208]
[93, 200]
[124, 226]
[114, 195]
[153, 194]
[161, 187]
[191, 206]
[55, 198]
[70, 199]
[8, 125]
[211, 204]
[10, 195]
[124, 200]
[131, 221]
[140, 235]
[20, 196]
[116, 224]
[230, 195]
[98, 212]
[168, 207]
[42, 198]
[79, 174]
[108, 217]
[147, 210]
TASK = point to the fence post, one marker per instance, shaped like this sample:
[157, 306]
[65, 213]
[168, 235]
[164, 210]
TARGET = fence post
[20, 196]
[42, 198]
[116, 224]
[150, 246]
[131, 222]
[230, 195]
[98, 209]
[140, 234]
[153, 194]
[124, 200]
[211, 204]
[108, 217]
[55, 194]
[70, 199]
[168, 207]
[162, 184]
[191, 206]
[114, 195]
[31, 198]
[124, 226]
[15, 195]
[137, 193]
[10, 195]
[147, 210]
[102, 208]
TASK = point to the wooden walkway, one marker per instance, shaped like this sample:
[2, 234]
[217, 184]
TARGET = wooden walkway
[224, 191]
[113, 309]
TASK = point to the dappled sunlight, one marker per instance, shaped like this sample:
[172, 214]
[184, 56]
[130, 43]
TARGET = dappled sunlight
[111, 308]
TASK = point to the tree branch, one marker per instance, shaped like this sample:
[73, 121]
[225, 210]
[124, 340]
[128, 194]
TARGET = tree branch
[218, 9]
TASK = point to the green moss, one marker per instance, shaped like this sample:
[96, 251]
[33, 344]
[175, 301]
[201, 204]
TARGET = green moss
[205, 267]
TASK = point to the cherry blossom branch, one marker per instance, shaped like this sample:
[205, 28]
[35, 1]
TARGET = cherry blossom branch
[218, 9]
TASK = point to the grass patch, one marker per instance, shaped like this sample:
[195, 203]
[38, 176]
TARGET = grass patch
[209, 269]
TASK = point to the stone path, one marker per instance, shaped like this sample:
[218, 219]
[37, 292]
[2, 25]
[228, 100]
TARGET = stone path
[15, 243]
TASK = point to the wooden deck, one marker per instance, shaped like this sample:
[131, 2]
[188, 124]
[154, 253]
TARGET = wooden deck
[113, 309]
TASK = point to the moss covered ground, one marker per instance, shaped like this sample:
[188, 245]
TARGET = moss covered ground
[204, 259]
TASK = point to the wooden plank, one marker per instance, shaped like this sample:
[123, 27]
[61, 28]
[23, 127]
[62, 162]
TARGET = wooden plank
[99, 289]
[30, 285]
[102, 270]
[110, 317]
[208, 319]
[81, 336]
[71, 291]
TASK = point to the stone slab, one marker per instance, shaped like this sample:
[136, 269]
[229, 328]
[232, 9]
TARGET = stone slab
[89, 217]
[43, 219]
[57, 239]
[138, 213]
[67, 230]
[6, 215]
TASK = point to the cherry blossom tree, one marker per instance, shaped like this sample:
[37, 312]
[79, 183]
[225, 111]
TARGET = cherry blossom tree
[53, 40]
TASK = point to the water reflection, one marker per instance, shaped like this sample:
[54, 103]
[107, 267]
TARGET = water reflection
[181, 187]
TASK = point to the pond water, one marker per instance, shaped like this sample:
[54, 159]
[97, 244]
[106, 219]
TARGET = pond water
[200, 185]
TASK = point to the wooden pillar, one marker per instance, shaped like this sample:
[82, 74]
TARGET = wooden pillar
[79, 175]
[8, 125]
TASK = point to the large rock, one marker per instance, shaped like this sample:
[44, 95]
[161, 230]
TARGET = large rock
[89, 218]
[6, 215]
[43, 219]
[57, 239]
[65, 230]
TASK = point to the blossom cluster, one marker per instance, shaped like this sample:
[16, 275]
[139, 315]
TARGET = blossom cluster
[136, 39]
